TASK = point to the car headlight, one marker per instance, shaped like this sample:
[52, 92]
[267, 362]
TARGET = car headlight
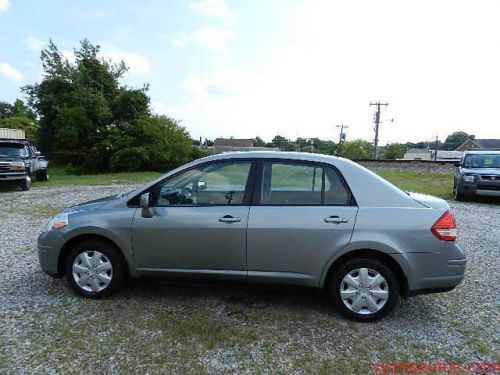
[468, 178]
[17, 166]
[57, 222]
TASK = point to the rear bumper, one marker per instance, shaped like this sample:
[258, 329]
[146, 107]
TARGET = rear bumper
[433, 272]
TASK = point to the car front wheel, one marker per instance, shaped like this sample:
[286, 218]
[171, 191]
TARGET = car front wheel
[363, 289]
[94, 269]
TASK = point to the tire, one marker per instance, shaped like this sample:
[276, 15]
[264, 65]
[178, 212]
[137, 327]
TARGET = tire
[101, 265]
[457, 195]
[364, 306]
[42, 175]
[26, 184]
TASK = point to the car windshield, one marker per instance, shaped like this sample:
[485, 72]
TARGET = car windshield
[10, 149]
[482, 161]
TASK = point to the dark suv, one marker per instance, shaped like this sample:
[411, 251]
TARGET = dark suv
[478, 174]
[19, 159]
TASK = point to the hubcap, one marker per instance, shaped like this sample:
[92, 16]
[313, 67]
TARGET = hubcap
[92, 271]
[364, 291]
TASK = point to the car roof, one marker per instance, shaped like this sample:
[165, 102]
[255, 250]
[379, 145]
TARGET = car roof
[17, 141]
[286, 155]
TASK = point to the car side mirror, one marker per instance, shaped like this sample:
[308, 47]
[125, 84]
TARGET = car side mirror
[38, 153]
[145, 204]
[201, 185]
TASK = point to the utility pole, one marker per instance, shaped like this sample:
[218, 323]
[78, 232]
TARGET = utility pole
[436, 149]
[341, 138]
[376, 120]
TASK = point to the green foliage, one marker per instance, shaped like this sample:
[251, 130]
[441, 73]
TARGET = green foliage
[395, 151]
[454, 140]
[258, 142]
[357, 149]
[29, 126]
[91, 123]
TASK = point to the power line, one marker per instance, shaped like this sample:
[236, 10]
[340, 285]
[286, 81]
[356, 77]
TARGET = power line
[376, 120]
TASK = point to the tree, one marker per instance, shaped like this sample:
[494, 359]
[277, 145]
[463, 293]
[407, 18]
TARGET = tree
[395, 151]
[258, 142]
[357, 149]
[6, 110]
[91, 122]
[29, 126]
[454, 140]
[19, 116]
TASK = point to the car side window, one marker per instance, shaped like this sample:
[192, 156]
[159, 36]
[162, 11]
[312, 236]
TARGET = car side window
[336, 192]
[217, 184]
[291, 184]
[302, 184]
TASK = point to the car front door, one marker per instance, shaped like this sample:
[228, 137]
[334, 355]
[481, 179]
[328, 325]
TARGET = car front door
[303, 214]
[199, 222]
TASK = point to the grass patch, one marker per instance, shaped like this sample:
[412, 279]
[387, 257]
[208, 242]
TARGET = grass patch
[437, 184]
[59, 177]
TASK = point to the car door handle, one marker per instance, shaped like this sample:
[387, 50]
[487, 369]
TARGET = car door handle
[229, 219]
[336, 219]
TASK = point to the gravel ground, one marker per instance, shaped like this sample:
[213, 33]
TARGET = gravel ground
[163, 327]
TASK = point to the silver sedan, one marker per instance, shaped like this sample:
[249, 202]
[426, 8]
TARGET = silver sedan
[286, 218]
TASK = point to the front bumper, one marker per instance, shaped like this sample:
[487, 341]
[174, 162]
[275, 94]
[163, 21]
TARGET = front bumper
[433, 272]
[49, 247]
[13, 176]
[487, 188]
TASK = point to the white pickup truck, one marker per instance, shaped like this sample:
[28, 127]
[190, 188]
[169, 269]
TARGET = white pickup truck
[19, 160]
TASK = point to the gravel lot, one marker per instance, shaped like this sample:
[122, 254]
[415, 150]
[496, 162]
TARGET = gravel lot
[163, 327]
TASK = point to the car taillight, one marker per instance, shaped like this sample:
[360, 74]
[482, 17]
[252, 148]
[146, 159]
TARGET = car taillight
[445, 228]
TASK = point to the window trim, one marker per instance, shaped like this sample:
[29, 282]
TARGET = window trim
[248, 192]
[257, 191]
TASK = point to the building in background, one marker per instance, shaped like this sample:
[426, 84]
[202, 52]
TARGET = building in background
[429, 155]
[479, 144]
[417, 154]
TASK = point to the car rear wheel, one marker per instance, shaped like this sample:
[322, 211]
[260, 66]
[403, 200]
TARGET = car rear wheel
[94, 269]
[42, 175]
[363, 289]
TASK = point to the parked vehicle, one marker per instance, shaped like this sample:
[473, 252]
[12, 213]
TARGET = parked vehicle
[290, 218]
[478, 174]
[19, 161]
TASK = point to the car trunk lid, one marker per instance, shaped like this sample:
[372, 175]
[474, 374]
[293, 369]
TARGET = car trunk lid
[429, 200]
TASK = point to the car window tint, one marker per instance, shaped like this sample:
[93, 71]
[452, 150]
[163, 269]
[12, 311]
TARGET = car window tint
[291, 184]
[335, 191]
[214, 184]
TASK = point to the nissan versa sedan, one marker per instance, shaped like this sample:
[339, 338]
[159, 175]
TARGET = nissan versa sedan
[273, 217]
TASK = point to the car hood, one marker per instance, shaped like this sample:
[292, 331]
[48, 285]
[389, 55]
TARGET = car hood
[91, 205]
[489, 171]
[429, 200]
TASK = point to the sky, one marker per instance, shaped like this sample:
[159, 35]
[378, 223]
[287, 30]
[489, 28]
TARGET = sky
[290, 67]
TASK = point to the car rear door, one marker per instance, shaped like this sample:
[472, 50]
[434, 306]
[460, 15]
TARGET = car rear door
[303, 214]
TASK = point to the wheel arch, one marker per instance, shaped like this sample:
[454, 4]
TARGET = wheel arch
[381, 256]
[88, 237]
